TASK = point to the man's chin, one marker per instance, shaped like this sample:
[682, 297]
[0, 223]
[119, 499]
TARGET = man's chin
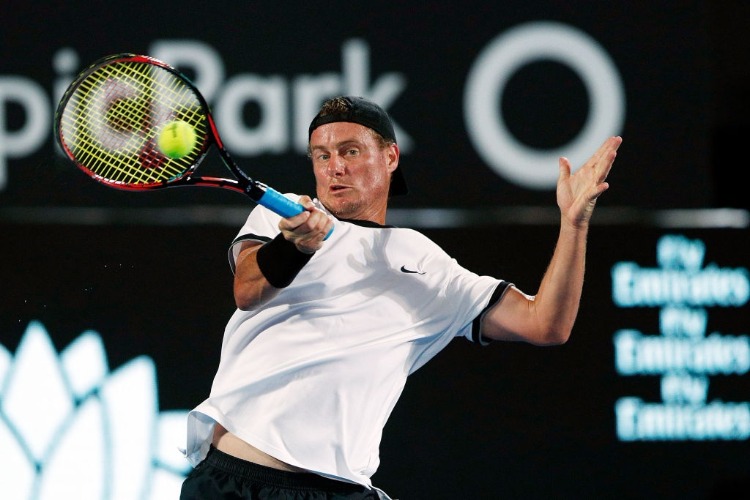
[341, 207]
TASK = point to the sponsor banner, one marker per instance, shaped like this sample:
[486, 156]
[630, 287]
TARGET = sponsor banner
[485, 96]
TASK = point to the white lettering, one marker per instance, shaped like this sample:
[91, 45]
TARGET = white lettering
[678, 321]
[287, 103]
[633, 286]
[271, 134]
[675, 251]
[640, 421]
[18, 142]
[637, 354]
[684, 389]
[525, 166]
[191, 56]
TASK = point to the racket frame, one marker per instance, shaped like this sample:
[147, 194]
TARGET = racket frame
[258, 192]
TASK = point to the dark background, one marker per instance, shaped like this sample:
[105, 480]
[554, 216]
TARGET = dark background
[508, 421]
[505, 421]
[683, 66]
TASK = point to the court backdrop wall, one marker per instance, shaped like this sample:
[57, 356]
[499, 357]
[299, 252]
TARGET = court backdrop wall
[649, 397]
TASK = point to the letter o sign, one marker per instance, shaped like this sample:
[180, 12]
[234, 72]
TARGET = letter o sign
[528, 167]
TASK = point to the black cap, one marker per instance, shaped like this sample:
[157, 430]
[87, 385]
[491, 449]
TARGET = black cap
[370, 115]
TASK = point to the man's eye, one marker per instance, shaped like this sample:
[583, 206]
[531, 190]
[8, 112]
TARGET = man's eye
[353, 152]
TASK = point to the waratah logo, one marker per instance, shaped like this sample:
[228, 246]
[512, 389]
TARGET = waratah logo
[71, 429]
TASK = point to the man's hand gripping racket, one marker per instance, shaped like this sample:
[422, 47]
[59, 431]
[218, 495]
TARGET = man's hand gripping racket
[112, 116]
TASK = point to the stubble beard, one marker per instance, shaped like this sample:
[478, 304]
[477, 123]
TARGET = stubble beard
[345, 209]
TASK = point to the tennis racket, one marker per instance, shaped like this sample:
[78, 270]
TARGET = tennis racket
[110, 117]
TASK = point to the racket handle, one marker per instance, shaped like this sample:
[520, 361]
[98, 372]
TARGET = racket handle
[280, 204]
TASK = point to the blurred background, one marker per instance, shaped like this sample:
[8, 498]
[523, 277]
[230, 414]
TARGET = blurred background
[648, 399]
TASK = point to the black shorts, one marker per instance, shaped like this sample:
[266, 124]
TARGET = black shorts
[222, 476]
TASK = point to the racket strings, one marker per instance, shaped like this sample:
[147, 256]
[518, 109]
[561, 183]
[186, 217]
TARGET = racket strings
[112, 119]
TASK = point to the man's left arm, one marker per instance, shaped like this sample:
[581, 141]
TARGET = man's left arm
[547, 318]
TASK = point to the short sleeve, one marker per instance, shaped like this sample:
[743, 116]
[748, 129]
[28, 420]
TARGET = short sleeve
[261, 225]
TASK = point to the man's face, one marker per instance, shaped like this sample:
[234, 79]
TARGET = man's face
[352, 171]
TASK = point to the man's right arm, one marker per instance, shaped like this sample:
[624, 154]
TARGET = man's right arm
[251, 288]
[263, 269]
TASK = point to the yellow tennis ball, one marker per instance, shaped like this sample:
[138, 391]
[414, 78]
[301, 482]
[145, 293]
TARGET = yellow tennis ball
[176, 139]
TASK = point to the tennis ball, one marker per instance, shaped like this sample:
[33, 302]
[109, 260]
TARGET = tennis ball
[176, 139]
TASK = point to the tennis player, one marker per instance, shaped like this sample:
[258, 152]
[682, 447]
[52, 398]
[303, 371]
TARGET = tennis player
[327, 331]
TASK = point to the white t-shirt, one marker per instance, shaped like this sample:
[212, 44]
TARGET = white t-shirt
[311, 377]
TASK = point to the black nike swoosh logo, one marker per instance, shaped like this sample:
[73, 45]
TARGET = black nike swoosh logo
[404, 270]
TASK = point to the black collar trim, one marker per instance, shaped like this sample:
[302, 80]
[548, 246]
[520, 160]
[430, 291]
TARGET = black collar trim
[366, 223]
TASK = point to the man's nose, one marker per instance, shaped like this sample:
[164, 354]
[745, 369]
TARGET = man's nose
[336, 165]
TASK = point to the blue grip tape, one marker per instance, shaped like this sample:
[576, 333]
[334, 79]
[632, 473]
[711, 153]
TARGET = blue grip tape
[280, 204]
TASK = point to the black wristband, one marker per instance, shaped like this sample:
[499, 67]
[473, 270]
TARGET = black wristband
[280, 261]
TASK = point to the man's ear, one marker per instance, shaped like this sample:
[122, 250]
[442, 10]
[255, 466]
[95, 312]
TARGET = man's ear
[394, 153]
